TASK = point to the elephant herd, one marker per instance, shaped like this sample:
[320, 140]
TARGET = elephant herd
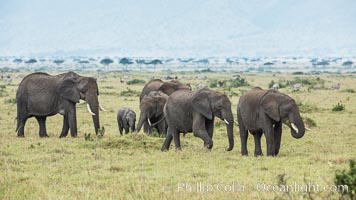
[170, 107]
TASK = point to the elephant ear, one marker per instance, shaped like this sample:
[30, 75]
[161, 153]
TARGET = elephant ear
[167, 88]
[160, 102]
[68, 90]
[270, 105]
[201, 104]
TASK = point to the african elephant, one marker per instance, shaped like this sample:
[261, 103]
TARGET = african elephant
[41, 95]
[151, 108]
[126, 119]
[194, 111]
[165, 87]
[263, 111]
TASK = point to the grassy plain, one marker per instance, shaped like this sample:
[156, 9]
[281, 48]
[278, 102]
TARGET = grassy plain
[133, 167]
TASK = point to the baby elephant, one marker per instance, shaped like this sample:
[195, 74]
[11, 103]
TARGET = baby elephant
[126, 119]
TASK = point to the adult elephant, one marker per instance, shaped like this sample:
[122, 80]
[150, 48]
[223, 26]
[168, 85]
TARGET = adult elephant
[194, 111]
[151, 108]
[166, 87]
[263, 111]
[41, 95]
[126, 119]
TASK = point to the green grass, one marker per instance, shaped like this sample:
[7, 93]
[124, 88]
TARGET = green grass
[133, 167]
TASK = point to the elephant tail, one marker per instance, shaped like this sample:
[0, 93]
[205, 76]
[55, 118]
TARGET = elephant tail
[21, 113]
[159, 121]
[17, 125]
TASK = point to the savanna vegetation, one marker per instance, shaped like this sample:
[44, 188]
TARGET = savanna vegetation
[110, 166]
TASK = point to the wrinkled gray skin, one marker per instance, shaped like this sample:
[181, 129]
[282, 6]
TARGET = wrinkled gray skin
[263, 111]
[41, 95]
[151, 108]
[194, 111]
[165, 87]
[126, 119]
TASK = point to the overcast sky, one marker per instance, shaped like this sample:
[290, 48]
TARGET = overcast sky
[178, 27]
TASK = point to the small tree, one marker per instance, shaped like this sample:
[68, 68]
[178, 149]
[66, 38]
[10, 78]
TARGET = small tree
[155, 62]
[58, 61]
[31, 61]
[347, 64]
[106, 61]
[17, 60]
[125, 61]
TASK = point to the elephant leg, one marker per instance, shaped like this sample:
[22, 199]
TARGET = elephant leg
[176, 138]
[21, 127]
[209, 125]
[257, 137]
[146, 128]
[132, 128]
[161, 127]
[126, 127]
[202, 134]
[277, 137]
[42, 125]
[243, 137]
[269, 133]
[65, 127]
[168, 140]
[120, 127]
[199, 130]
[72, 119]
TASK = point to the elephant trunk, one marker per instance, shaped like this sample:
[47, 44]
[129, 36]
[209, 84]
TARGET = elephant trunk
[94, 108]
[132, 124]
[229, 120]
[297, 126]
[141, 121]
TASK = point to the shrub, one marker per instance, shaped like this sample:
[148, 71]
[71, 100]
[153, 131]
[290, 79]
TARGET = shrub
[238, 82]
[135, 82]
[10, 101]
[347, 178]
[129, 93]
[280, 82]
[3, 92]
[349, 90]
[297, 73]
[309, 122]
[338, 107]
[87, 137]
[270, 84]
[217, 83]
[213, 84]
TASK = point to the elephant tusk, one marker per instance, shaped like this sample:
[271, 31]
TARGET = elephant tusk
[294, 127]
[226, 121]
[101, 108]
[149, 122]
[91, 112]
[307, 129]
